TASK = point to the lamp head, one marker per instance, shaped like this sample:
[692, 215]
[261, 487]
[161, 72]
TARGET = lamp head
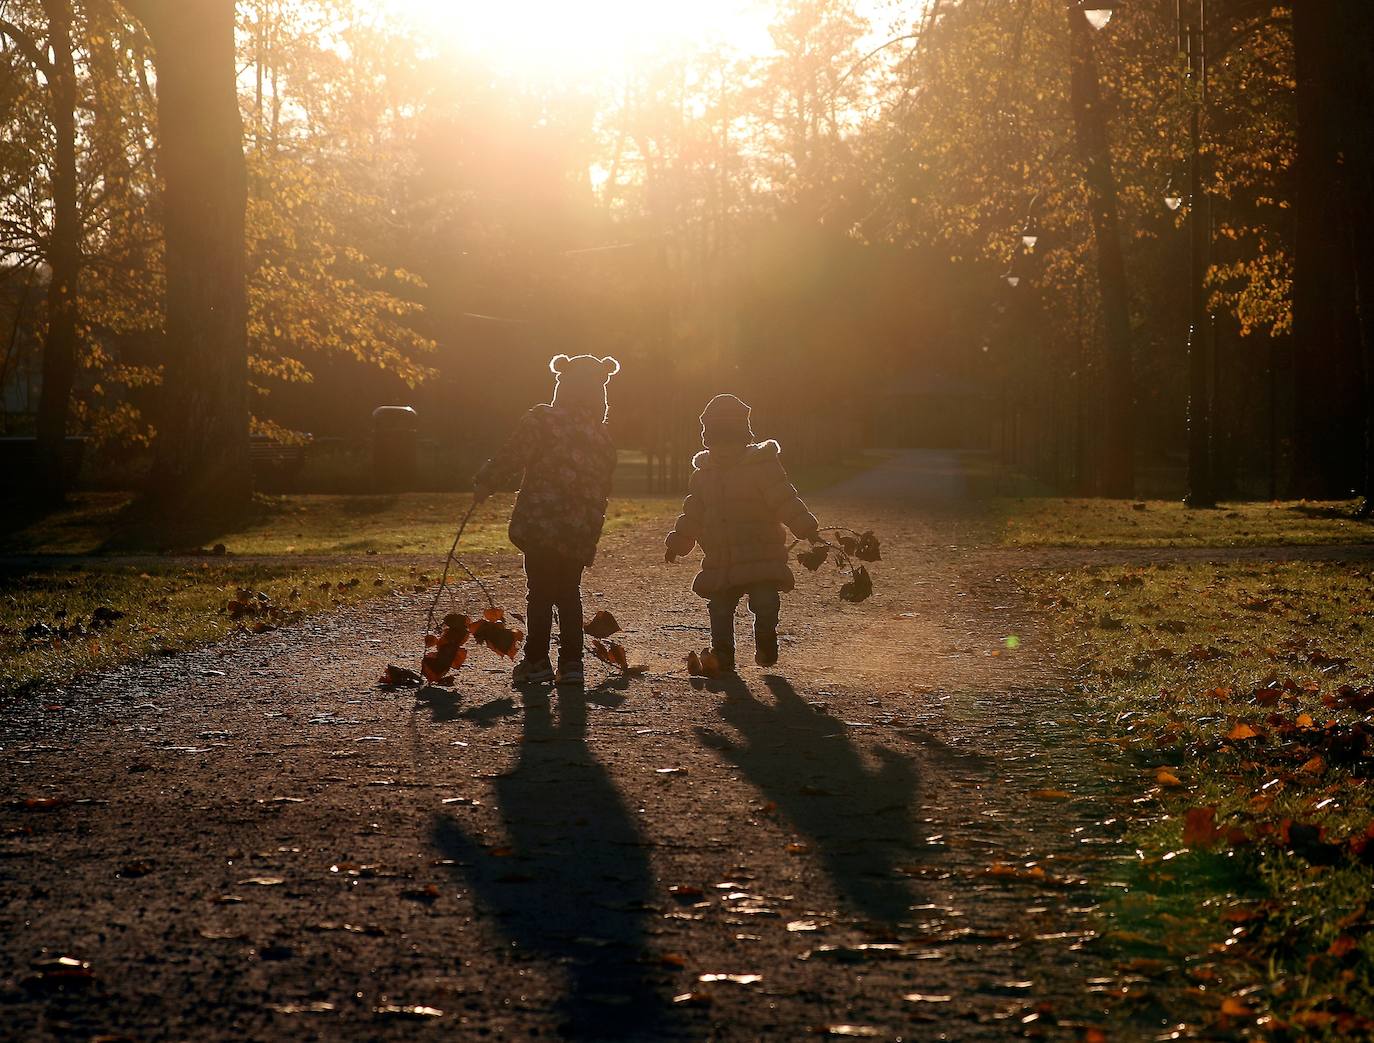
[1098, 12]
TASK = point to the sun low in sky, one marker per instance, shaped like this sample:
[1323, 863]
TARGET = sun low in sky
[560, 39]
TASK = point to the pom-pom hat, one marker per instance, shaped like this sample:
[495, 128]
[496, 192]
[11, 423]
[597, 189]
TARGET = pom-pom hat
[580, 381]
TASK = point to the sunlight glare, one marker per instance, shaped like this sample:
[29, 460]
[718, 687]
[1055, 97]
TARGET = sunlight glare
[559, 40]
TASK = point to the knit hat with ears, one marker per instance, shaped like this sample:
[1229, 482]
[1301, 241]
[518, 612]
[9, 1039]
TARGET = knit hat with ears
[580, 382]
[725, 421]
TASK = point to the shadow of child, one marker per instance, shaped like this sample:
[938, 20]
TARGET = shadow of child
[859, 820]
[575, 886]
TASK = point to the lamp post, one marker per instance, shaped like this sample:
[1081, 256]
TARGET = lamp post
[1191, 21]
[1192, 42]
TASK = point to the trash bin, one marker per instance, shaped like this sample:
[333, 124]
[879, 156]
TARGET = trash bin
[395, 452]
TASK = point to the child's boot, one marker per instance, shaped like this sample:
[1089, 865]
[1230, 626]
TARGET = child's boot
[765, 604]
[725, 660]
[765, 645]
[570, 674]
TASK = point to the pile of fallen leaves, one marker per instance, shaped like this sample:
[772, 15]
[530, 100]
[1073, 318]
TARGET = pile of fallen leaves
[64, 629]
[847, 547]
[255, 611]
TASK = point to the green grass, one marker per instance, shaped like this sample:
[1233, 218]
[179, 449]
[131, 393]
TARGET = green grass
[298, 543]
[328, 525]
[1059, 521]
[1184, 662]
[163, 609]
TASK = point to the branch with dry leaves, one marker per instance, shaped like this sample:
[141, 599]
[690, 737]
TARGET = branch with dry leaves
[446, 645]
[848, 545]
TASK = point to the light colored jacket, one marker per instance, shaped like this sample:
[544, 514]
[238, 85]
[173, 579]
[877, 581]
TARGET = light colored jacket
[736, 507]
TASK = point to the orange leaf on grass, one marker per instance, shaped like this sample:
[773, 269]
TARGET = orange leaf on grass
[1200, 827]
[1315, 766]
[1240, 732]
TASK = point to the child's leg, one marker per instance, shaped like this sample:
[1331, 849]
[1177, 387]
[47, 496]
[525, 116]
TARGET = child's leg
[540, 569]
[721, 607]
[567, 598]
[766, 604]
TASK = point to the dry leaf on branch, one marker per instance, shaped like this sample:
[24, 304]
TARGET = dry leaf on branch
[601, 625]
[858, 589]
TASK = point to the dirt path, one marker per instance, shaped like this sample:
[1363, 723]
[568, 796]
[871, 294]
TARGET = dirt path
[259, 845]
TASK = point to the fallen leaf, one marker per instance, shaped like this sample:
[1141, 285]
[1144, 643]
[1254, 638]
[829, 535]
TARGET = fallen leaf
[1240, 732]
[1165, 777]
[1051, 794]
[1200, 829]
[860, 1031]
[738, 979]
[693, 999]
[413, 1013]
[400, 677]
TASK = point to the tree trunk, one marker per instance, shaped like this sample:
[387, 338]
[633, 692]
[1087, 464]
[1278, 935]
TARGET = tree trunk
[1357, 83]
[1327, 393]
[201, 462]
[64, 259]
[1090, 124]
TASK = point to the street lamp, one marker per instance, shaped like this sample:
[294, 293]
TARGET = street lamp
[1192, 43]
[1098, 12]
[1172, 199]
[1030, 235]
[1011, 278]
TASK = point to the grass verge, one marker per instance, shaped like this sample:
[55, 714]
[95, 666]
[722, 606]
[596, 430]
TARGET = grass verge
[58, 623]
[1061, 522]
[304, 525]
[1244, 695]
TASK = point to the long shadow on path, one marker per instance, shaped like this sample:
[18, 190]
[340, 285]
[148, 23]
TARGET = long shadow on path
[574, 885]
[858, 818]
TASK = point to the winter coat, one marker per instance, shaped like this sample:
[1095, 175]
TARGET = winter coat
[737, 504]
[566, 457]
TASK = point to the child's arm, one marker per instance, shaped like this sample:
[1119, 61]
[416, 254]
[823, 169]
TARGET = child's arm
[511, 459]
[782, 499]
[685, 533]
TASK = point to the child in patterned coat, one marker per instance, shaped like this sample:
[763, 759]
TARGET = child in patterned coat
[565, 456]
[738, 499]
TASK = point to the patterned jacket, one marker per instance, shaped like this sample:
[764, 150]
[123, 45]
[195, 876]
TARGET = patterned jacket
[736, 507]
[566, 458]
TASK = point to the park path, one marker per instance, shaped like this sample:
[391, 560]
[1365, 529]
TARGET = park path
[252, 842]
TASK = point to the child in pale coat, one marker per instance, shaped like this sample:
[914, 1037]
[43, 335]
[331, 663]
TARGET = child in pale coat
[565, 457]
[738, 500]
